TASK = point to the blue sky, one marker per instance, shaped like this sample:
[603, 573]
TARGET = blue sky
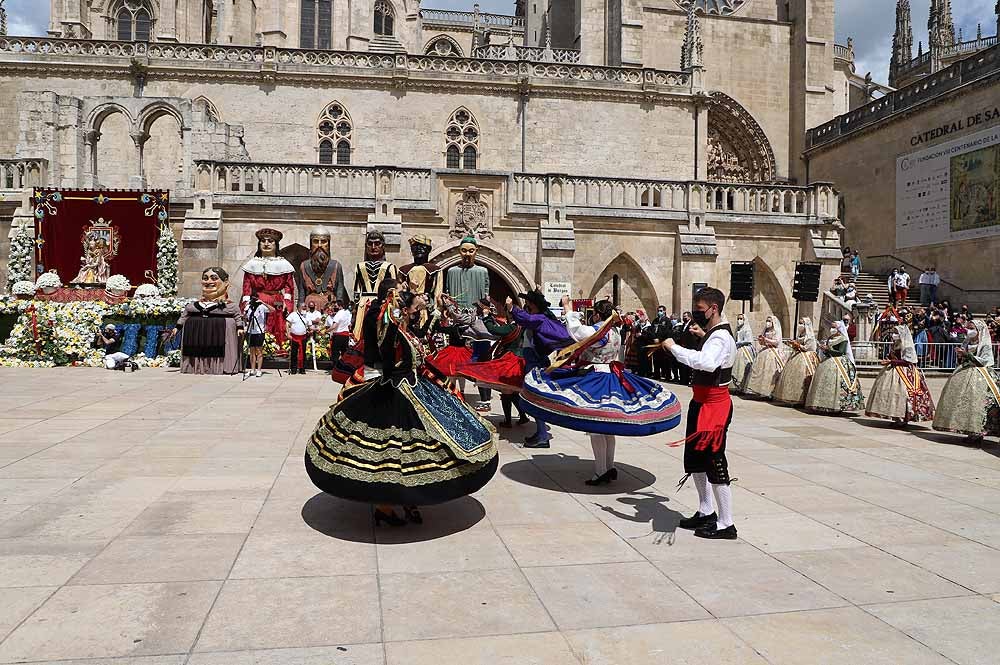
[870, 22]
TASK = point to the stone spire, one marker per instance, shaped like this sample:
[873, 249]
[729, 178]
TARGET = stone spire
[3, 19]
[902, 41]
[692, 53]
[940, 25]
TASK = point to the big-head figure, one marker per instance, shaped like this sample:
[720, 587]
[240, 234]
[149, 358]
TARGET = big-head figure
[467, 282]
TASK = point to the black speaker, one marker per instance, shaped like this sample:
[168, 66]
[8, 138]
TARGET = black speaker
[806, 288]
[741, 281]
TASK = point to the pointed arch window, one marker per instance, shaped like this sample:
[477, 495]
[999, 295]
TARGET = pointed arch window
[462, 140]
[133, 21]
[316, 24]
[335, 130]
[385, 18]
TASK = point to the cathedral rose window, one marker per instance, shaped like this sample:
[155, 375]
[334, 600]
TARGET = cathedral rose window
[720, 7]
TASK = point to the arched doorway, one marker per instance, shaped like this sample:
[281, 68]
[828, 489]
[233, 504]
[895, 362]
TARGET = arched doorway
[625, 283]
[507, 276]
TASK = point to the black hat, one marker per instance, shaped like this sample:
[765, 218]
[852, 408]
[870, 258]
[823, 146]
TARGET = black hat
[536, 298]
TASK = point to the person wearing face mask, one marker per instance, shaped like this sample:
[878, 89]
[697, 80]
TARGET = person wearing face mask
[684, 337]
[970, 401]
[746, 351]
[769, 362]
[661, 330]
[588, 390]
[793, 384]
[900, 392]
[835, 387]
[709, 415]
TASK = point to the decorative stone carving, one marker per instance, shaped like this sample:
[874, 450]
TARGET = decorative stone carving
[737, 144]
[472, 217]
[720, 7]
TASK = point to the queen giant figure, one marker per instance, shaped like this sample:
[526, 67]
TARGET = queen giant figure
[270, 278]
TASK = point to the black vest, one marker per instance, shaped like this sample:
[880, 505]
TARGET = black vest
[722, 376]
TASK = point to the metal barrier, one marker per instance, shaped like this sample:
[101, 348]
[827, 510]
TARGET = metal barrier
[929, 355]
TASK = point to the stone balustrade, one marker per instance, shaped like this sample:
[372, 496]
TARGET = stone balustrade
[970, 46]
[23, 173]
[845, 53]
[529, 53]
[273, 62]
[452, 17]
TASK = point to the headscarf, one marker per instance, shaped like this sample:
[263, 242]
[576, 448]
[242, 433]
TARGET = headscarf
[984, 344]
[744, 333]
[808, 338]
[907, 351]
[775, 334]
[842, 329]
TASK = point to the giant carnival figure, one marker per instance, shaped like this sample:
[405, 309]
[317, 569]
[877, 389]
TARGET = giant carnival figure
[422, 276]
[368, 275]
[269, 277]
[321, 276]
[210, 328]
[468, 284]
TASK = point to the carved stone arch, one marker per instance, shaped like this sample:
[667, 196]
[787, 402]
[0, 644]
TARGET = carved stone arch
[770, 293]
[739, 150]
[101, 112]
[149, 114]
[443, 45]
[498, 260]
[631, 275]
[211, 110]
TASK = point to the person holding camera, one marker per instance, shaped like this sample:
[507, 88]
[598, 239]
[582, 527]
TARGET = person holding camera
[256, 313]
[110, 341]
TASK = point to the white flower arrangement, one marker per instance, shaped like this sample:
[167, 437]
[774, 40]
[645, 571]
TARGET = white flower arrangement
[19, 263]
[23, 287]
[48, 280]
[147, 291]
[166, 261]
[118, 283]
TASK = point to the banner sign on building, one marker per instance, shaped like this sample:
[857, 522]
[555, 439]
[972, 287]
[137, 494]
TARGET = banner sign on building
[949, 192]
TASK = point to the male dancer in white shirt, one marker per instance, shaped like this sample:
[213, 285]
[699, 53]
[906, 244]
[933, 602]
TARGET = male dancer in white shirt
[709, 414]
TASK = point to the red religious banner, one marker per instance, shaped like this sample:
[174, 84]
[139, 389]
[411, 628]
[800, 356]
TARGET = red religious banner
[86, 236]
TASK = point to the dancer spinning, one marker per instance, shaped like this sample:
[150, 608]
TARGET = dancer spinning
[589, 390]
[769, 362]
[400, 439]
[504, 372]
[793, 384]
[709, 415]
[900, 392]
[970, 401]
[747, 351]
[835, 386]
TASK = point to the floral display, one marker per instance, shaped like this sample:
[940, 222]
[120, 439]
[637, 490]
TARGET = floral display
[118, 283]
[23, 287]
[49, 280]
[147, 291]
[166, 261]
[19, 263]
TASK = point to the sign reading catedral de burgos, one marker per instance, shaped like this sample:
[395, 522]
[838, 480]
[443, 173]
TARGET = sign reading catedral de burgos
[968, 122]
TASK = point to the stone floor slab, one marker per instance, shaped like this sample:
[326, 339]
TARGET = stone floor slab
[565, 544]
[182, 558]
[525, 649]
[350, 654]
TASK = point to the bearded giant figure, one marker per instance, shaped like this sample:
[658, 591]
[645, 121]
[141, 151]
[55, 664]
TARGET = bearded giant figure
[322, 276]
[270, 278]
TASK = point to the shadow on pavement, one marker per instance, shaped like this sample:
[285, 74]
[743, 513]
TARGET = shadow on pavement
[569, 472]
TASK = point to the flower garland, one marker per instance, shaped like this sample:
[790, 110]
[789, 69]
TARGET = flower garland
[19, 263]
[166, 261]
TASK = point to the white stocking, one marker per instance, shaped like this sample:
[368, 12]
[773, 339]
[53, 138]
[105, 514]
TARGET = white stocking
[609, 455]
[704, 496]
[724, 497]
[598, 442]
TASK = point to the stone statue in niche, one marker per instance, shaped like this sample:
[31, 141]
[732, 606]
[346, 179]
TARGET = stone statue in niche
[471, 217]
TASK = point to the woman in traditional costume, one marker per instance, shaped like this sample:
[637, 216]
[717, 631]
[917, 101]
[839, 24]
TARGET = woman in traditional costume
[970, 401]
[211, 328]
[455, 354]
[835, 386]
[793, 384]
[900, 392]
[504, 371]
[746, 351]
[587, 389]
[769, 361]
[401, 438]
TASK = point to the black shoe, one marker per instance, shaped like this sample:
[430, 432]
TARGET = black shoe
[710, 532]
[698, 521]
[613, 473]
[536, 443]
[523, 420]
[602, 479]
[412, 514]
[392, 519]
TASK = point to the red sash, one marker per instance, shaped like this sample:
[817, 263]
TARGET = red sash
[712, 418]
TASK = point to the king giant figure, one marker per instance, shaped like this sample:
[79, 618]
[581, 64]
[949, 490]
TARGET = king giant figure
[322, 276]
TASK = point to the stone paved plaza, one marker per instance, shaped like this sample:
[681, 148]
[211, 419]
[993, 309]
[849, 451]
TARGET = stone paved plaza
[159, 519]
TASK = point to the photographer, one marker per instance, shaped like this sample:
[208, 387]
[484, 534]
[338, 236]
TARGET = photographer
[110, 341]
[255, 314]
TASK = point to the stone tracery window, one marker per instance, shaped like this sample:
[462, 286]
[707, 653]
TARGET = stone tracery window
[316, 24]
[462, 140]
[334, 132]
[719, 7]
[133, 21]
[385, 17]
[443, 45]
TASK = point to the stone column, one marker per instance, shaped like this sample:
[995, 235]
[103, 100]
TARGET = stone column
[138, 181]
[92, 138]
[166, 23]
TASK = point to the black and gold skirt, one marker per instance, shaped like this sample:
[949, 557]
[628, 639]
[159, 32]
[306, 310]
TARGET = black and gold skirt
[405, 443]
